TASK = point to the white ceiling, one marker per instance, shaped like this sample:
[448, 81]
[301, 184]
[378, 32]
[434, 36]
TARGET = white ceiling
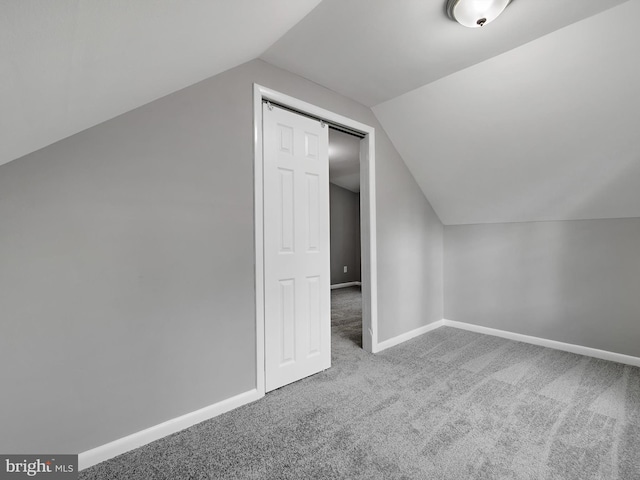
[533, 117]
[344, 160]
[375, 50]
[66, 65]
[548, 131]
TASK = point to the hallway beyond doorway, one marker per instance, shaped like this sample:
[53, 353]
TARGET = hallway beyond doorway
[346, 317]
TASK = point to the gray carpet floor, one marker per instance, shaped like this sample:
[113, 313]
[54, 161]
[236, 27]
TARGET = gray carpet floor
[450, 404]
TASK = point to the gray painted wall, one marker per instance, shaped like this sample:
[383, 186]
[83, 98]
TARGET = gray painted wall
[126, 264]
[574, 281]
[345, 234]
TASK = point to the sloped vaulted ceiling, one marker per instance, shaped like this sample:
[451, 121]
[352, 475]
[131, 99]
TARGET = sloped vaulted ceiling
[66, 65]
[375, 50]
[548, 131]
[534, 117]
[530, 118]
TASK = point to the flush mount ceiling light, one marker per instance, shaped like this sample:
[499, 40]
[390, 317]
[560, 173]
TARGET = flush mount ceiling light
[475, 13]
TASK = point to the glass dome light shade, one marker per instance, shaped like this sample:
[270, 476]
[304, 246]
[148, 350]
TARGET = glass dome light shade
[475, 13]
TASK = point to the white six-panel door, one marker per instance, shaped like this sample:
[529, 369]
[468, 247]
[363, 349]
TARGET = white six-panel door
[296, 247]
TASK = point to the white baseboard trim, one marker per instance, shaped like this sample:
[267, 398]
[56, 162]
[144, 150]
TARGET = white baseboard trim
[543, 342]
[130, 442]
[392, 342]
[345, 285]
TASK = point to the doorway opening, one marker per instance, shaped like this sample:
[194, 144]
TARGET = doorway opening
[367, 215]
[344, 201]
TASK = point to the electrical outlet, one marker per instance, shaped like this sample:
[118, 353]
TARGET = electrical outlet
[345, 269]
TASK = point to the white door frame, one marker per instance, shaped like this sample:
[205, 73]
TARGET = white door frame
[367, 218]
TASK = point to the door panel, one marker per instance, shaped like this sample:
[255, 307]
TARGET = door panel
[313, 284]
[313, 213]
[296, 247]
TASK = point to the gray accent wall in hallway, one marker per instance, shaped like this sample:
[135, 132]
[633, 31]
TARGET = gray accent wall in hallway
[345, 234]
[575, 281]
[127, 264]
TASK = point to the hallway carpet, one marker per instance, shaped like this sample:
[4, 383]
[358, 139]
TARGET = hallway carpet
[450, 404]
